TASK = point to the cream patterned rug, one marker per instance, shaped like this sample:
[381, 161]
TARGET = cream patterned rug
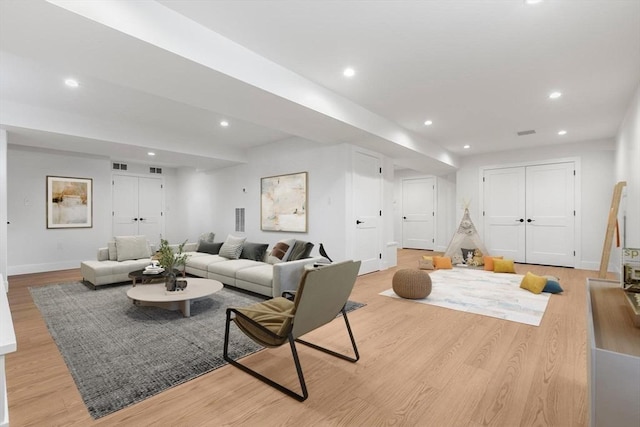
[486, 293]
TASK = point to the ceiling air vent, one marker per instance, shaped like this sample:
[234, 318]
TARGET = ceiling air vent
[155, 170]
[526, 132]
[120, 166]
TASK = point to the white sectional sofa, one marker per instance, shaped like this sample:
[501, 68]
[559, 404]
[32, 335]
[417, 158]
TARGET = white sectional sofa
[269, 276]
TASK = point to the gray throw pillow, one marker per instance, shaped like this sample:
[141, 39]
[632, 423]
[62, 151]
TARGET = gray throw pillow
[209, 248]
[300, 250]
[232, 247]
[205, 238]
[254, 251]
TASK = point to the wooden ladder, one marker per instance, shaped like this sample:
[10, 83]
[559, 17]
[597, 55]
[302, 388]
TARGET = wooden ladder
[611, 227]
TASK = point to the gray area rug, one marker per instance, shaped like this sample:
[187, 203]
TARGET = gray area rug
[120, 354]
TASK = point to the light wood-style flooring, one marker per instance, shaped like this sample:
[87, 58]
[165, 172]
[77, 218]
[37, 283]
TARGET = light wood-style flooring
[420, 366]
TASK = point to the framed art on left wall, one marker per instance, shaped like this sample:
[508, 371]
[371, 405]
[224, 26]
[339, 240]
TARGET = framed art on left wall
[69, 202]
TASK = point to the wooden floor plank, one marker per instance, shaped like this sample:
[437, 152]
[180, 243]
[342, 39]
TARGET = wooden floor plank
[420, 365]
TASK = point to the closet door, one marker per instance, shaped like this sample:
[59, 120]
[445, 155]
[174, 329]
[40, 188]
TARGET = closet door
[504, 210]
[550, 214]
[137, 207]
[529, 213]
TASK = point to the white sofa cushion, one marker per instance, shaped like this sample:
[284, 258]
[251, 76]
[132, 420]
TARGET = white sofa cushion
[132, 247]
[260, 274]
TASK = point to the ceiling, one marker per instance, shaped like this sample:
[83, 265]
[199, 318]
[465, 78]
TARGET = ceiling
[160, 76]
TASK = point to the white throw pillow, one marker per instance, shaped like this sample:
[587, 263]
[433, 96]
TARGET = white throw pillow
[132, 247]
[232, 247]
[113, 252]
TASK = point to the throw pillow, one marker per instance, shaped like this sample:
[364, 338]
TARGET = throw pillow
[552, 287]
[442, 262]
[426, 263]
[232, 247]
[503, 266]
[488, 261]
[209, 248]
[113, 252]
[132, 247]
[253, 251]
[467, 254]
[300, 250]
[280, 251]
[533, 283]
[205, 238]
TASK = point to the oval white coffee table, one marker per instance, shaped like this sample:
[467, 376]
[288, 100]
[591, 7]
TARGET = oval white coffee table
[156, 295]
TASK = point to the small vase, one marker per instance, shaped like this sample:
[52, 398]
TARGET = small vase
[170, 281]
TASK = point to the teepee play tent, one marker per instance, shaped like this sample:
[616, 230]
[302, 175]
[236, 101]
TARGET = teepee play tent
[466, 243]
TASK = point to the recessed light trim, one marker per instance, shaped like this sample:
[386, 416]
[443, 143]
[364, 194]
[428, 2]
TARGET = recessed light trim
[466, 146]
[428, 122]
[555, 95]
[349, 72]
[151, 153]
[562, 132]
[532, 1]
[224, 123]
[71, 82]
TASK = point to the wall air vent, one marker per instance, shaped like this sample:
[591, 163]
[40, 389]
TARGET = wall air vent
[155, 170]
[120, 166]
[240, 219]
[526, 132]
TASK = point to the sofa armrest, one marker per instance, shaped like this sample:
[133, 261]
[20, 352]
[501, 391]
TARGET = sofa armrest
[286, 275]
[103, 254]
[190, 247]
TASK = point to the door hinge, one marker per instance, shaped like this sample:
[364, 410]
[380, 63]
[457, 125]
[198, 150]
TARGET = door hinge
[161, 213]
[113, 182]
[433, 240]
[113, 213]
[574, 253]
[483, 179]
[574, 213]
[482, 213]
[574, 172]
[380, 170]
[161, 186]
[379, 256]
[433, 214]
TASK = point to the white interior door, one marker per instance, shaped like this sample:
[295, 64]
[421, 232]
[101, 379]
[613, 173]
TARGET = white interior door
[367, 207]
[150, 208]
[529, 213]
[418, 213]
[504, 213]
[125, 205]
[137, 207]
[550, 214]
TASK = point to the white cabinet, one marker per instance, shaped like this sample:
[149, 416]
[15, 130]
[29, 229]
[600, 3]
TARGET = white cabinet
[613, 357]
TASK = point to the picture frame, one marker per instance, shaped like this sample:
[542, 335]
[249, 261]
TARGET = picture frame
[284, 203]
[69, 202]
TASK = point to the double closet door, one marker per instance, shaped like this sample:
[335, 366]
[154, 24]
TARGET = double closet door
[529, 213]
[137, 206]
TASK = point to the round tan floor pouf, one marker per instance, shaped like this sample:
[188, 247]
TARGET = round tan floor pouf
[411, 284]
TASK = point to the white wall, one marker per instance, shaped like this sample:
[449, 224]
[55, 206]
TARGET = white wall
[33, 247]
[209, 199]
[596, 160]
[628, 169]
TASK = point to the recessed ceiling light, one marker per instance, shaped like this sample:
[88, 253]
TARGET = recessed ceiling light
[532, 1]
[428, 123]
[71, 82]
[349, 72]
[151, 153]
[224, 123]
[467, 146]
[555, 95]
[562, 132]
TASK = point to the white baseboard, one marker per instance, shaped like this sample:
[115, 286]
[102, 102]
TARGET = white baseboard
[13, 270]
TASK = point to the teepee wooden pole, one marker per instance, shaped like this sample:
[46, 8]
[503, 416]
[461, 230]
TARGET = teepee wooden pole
[611, 227]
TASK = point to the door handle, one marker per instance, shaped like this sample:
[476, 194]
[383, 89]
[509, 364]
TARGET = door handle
[359, 222]
[520, 220]
[404, 217]
[141, 219]
[135, 219]
[530, 220]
